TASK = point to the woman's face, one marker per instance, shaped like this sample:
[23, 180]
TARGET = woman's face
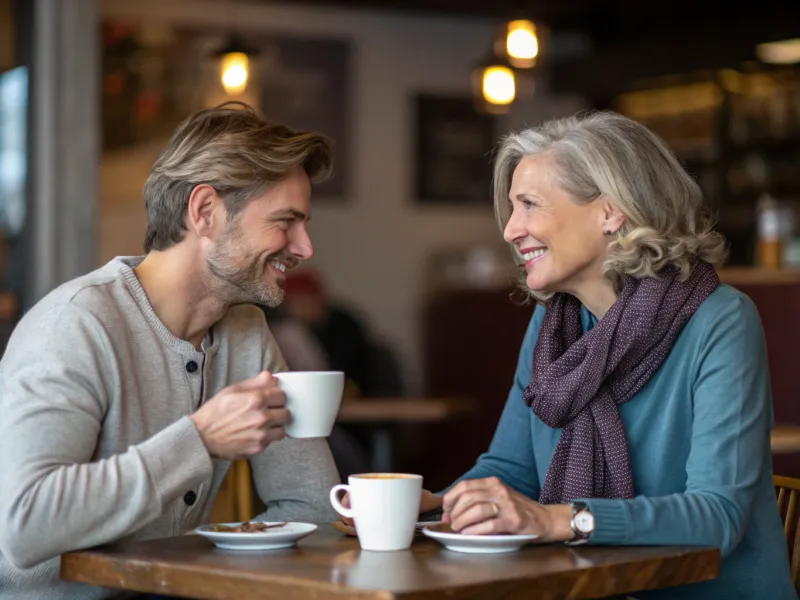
[561, 241]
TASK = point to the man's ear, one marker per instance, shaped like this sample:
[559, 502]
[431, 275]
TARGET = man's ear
[203, 214]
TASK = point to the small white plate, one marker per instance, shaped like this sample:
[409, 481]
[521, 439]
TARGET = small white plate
[272, 539]
[477, 544]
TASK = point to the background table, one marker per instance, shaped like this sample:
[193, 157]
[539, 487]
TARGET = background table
[382, 414]
[785, 439]
[330, 565]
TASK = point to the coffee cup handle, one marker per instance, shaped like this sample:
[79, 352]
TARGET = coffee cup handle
[337, 505]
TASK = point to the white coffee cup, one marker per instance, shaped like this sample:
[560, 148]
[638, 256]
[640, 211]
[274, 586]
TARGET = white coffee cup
[384, 506]
[312, 399]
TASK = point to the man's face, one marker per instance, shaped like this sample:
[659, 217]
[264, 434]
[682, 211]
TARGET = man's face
[265, 239]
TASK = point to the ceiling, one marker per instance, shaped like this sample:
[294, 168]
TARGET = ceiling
[630, 38]
[601, 17]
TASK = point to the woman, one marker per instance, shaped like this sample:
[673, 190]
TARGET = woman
[640, 411]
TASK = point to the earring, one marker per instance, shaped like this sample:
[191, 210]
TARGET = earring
[609, 232]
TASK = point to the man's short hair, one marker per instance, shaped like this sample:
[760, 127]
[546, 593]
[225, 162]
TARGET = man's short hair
[232, 149]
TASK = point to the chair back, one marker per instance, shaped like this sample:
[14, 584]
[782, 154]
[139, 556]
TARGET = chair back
[788, 493]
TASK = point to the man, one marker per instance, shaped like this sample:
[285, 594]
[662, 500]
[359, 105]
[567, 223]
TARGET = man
[125, 393]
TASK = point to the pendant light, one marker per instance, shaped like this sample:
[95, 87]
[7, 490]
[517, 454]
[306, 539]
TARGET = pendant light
[234, 61]
[493, 85]
[519, 41]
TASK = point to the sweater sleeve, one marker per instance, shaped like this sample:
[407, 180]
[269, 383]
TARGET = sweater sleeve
[293, 477]
[729, 446]
[56, 380]
[510, 456]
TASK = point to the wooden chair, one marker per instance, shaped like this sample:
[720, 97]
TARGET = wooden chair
[788, 493]
[234, 501]
[244, 490]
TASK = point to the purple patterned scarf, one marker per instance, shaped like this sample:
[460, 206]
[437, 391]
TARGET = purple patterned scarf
[579, 380]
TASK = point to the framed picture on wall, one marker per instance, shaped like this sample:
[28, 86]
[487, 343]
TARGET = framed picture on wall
[305, 84]
[453, 148]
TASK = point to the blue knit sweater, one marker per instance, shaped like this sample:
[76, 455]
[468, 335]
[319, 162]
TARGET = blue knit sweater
[698, 436]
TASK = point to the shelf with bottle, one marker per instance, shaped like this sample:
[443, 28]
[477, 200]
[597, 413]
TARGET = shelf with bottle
[713, 116]
[736, 131]
[764, 107]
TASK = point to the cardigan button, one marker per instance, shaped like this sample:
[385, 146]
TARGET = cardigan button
[190, 498]
[191, 366]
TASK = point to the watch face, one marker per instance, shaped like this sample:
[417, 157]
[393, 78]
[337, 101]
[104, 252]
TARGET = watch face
[584, 522]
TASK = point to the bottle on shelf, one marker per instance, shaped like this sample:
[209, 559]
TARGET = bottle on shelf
[769, 244]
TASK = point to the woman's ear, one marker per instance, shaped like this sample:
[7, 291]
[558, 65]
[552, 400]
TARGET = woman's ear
[613, 218]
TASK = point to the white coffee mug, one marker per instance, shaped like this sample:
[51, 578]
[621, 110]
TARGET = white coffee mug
[384, 506]
[312, 399]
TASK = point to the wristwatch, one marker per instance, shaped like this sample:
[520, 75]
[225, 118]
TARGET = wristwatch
[581, 523]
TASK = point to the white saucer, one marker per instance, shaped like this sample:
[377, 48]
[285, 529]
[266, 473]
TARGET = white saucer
[478, 544]
[272, 539]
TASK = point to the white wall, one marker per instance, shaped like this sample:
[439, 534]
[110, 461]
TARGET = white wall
[373, 247]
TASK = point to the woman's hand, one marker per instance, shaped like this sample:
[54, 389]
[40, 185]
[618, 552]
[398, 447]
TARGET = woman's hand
[429, 502]
[487, 506]
[345, 500]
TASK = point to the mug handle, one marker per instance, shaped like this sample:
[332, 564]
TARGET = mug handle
[337, 505]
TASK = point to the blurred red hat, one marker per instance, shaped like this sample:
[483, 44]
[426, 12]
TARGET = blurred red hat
[303, 281]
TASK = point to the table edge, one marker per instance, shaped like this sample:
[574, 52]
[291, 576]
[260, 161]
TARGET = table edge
[71, 564]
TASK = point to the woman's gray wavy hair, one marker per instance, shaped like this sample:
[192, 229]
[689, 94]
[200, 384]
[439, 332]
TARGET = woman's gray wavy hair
[605, 154]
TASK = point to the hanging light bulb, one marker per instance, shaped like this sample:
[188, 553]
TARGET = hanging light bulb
[498, 85]
[234, 71]
[494, 86]
[518, 40]
[234, 60]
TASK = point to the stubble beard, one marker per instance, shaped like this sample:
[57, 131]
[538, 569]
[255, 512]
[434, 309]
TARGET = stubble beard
[241, 277]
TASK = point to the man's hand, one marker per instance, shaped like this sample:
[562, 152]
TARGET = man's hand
[243, 419]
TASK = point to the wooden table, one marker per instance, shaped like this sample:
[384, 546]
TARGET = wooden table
[402, 410]
[383, 413]
[330, 565]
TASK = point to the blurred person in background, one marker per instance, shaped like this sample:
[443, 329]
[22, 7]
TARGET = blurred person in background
[303, 352]
[315, 333]
[125, 393]
[640, 412]
[370, 366]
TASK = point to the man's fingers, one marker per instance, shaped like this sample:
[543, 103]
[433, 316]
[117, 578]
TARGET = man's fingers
[275, 434]
[260, 381]
[277, 417]
[273, 397]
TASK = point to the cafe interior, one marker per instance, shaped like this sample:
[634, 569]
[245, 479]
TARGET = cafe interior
[415, 95]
